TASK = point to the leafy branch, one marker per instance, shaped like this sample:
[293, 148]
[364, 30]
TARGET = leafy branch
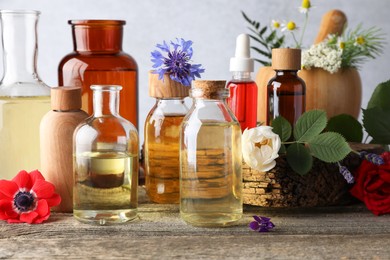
[265, 37]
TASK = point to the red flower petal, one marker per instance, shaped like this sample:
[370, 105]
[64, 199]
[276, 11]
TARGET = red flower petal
[54, 200]
[42, 208]
[6, 210]
[8, 188]
[36, 175]
[28, 217]
[43, 189]
[23, 180]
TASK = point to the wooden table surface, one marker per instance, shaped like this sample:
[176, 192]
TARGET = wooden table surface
[349, 232]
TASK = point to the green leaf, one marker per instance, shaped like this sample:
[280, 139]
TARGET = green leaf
[309, 125]
[282, 149]
[347, 126]
[376, 121]
[299, 158]
[282, 128]
[271, 37]
[261, 52]
[329, 147]
[263, 30]
[380, 96]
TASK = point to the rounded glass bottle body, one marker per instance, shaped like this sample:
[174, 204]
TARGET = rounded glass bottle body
[24, 98]
[105, 162]
[98, 59]
[162, 138]
[210, 161]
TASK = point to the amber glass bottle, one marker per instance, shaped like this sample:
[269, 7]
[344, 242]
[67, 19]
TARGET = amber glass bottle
[286, 92]
[98, 59]
[162, 139]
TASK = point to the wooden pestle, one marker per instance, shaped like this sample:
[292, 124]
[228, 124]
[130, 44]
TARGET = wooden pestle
[333, 22]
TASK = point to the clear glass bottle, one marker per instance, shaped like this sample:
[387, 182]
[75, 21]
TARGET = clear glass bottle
[210, 159]
[98, 58]
[286, 92]
[105, 162]
[162, 138]
[24, 98]
[243, 90]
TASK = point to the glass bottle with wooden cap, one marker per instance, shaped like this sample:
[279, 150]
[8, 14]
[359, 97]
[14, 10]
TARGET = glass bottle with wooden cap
[162, 132]
[286, 92]
[210, 158]
[105, 153]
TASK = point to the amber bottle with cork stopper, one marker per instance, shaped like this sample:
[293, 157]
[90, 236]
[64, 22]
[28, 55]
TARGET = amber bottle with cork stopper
[286, 92]
[162, 136]
[210, 158]
[56, 137]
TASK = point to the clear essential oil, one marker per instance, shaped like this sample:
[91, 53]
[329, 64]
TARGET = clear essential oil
[105, 185]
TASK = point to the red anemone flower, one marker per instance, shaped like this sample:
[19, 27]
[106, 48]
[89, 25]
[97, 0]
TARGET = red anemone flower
[27, 198]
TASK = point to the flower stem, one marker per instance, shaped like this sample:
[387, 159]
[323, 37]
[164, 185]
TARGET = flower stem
[295, 40]
[303, 30]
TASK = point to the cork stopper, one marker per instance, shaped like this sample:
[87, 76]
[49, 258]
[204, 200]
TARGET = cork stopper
[286, 59]
[209, 89]
[66, 98]
[166, 88]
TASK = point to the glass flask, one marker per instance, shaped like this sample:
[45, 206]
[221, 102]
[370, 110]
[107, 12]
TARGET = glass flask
[24, 98]
[162, 136]
[105, 162]
[286, 92]
[210, 159]
[98, 58]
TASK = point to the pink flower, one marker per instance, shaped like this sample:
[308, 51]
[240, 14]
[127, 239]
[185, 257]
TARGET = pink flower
[27, 198]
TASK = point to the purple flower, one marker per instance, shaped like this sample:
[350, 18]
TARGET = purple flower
[261, 224]
[176, 62]
[346, 174]
[372, 158]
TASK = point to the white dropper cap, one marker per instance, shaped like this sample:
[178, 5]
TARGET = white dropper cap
[242, 60]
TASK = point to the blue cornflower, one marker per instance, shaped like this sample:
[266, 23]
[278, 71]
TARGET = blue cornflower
[176, 62]
[372, 158]
[261, 224]
[346, 174]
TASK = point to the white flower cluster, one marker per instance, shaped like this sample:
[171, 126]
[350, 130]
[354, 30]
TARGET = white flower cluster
[322, 56]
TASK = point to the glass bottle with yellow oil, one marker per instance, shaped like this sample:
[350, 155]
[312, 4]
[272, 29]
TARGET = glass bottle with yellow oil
[105, 162]
[162, 132]
[24, 98]
[210, 159]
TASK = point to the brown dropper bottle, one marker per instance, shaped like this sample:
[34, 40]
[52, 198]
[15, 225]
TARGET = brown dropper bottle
[286, 92]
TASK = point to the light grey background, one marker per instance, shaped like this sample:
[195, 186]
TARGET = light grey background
[212, 24]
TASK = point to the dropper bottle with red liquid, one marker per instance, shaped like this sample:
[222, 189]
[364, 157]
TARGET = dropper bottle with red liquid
[243, 90]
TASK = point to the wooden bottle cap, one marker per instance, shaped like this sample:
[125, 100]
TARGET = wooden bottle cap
[286, 59]
[166, 87]
[66, 98]
[209, 89]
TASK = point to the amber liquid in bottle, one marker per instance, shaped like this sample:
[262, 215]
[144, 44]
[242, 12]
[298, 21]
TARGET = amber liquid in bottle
[98, 59]
[285, 96]
[163, 139]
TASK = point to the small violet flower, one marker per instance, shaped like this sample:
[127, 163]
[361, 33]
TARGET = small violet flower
[176, 62]
[261, 224]
[27, 198]
[346, 174]
[372, 158]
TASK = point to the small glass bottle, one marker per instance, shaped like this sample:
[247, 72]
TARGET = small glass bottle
[162, 132]
[105, 162]
[24, 98]
[286, 92]
[243, 90]
[97, 58]
[210, 158]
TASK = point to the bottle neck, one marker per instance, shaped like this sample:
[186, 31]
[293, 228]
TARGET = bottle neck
[106, 102]
[97, 35]
[286, 72]
[241, 76]
[19, 37]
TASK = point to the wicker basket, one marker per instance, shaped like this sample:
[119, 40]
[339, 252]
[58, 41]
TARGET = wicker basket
[282, 187]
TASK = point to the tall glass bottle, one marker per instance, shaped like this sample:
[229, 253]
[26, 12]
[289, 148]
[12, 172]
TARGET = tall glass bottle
[24, 98]
[243, 90]
[162, 136]
[105, 162]
[210, 159]
[286, 92]
[98, 59]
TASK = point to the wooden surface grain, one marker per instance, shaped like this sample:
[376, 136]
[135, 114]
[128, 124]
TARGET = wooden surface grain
[349, 232]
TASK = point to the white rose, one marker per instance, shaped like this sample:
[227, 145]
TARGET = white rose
[260, 147]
